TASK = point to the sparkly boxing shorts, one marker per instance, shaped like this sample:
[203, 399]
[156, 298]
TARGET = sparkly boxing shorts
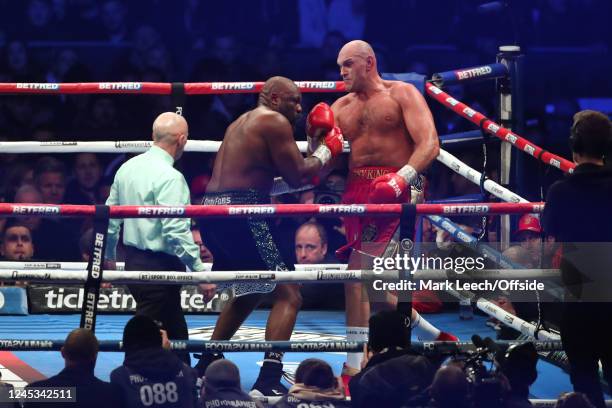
[241, 244]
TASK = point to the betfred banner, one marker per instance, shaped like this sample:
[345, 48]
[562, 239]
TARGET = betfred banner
[69, 299]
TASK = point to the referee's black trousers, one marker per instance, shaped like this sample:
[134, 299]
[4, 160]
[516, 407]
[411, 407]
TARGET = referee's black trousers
[160, 302]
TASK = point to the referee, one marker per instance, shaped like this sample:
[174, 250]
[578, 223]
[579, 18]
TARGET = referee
[157, 244]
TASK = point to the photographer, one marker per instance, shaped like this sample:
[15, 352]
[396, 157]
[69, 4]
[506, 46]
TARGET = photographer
[391, 374]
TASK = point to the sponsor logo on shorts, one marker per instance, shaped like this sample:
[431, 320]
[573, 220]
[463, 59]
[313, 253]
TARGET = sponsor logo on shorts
[217, 201]
[342, 209]
[222, 86]
[35, 209]
[251, 210]
[121, 86]
[316, 85]
[511, 138]
[46, 87]
[465, 209]
[161, 211]
[473, 72]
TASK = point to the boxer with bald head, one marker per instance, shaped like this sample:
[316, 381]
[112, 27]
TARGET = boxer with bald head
[157, 244]
[259, 145]
[393, 138]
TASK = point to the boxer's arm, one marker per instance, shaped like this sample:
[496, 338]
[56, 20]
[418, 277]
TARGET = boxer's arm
[286, 157]
[114, 225]
[420, 125]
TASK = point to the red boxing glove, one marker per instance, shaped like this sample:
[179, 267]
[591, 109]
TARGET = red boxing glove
[320, 120]
[331, 146]
[388, 189]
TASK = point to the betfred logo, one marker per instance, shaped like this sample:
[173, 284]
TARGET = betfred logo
[251, 210]
[46, 87]
[35, 209]
[120, 86]
[493, 127]
[435, 90]
[316, 85]
[452, 101]
[161, 211]
[511, 138]
[342, 209]
[465, 209]
[230, 86]
[470, 112]
[473, 72]
[529, 149]
[555, 162]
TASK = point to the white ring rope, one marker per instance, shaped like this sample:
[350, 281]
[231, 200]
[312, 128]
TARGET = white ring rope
[303, 276]
[510, 320]
[211, 146]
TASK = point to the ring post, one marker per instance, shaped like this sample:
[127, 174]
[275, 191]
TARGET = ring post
[95, 267]
[406, 245]
[512, 117]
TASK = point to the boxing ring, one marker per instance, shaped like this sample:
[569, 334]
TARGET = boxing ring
[92, 274]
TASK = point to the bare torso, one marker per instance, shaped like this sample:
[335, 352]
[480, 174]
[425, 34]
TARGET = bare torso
[375, 128]
[243, 161]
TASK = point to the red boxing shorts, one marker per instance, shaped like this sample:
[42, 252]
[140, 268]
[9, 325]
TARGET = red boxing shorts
[360, 231]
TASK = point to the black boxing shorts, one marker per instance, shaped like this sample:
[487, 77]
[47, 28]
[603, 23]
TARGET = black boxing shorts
[241, 244]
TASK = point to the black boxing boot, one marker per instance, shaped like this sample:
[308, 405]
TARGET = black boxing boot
[268, 383]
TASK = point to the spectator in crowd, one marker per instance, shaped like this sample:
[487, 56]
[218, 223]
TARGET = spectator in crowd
[16, 242]
[314, 384]
[148, 367]
[519, 367]
[50, 179]
[83, 189]
[311, 244]
[450, 388]
[221, 387]
[31, 195]
[205, 255]
[391, 373]
[573, 400]
[311, 248]
[80, 352]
